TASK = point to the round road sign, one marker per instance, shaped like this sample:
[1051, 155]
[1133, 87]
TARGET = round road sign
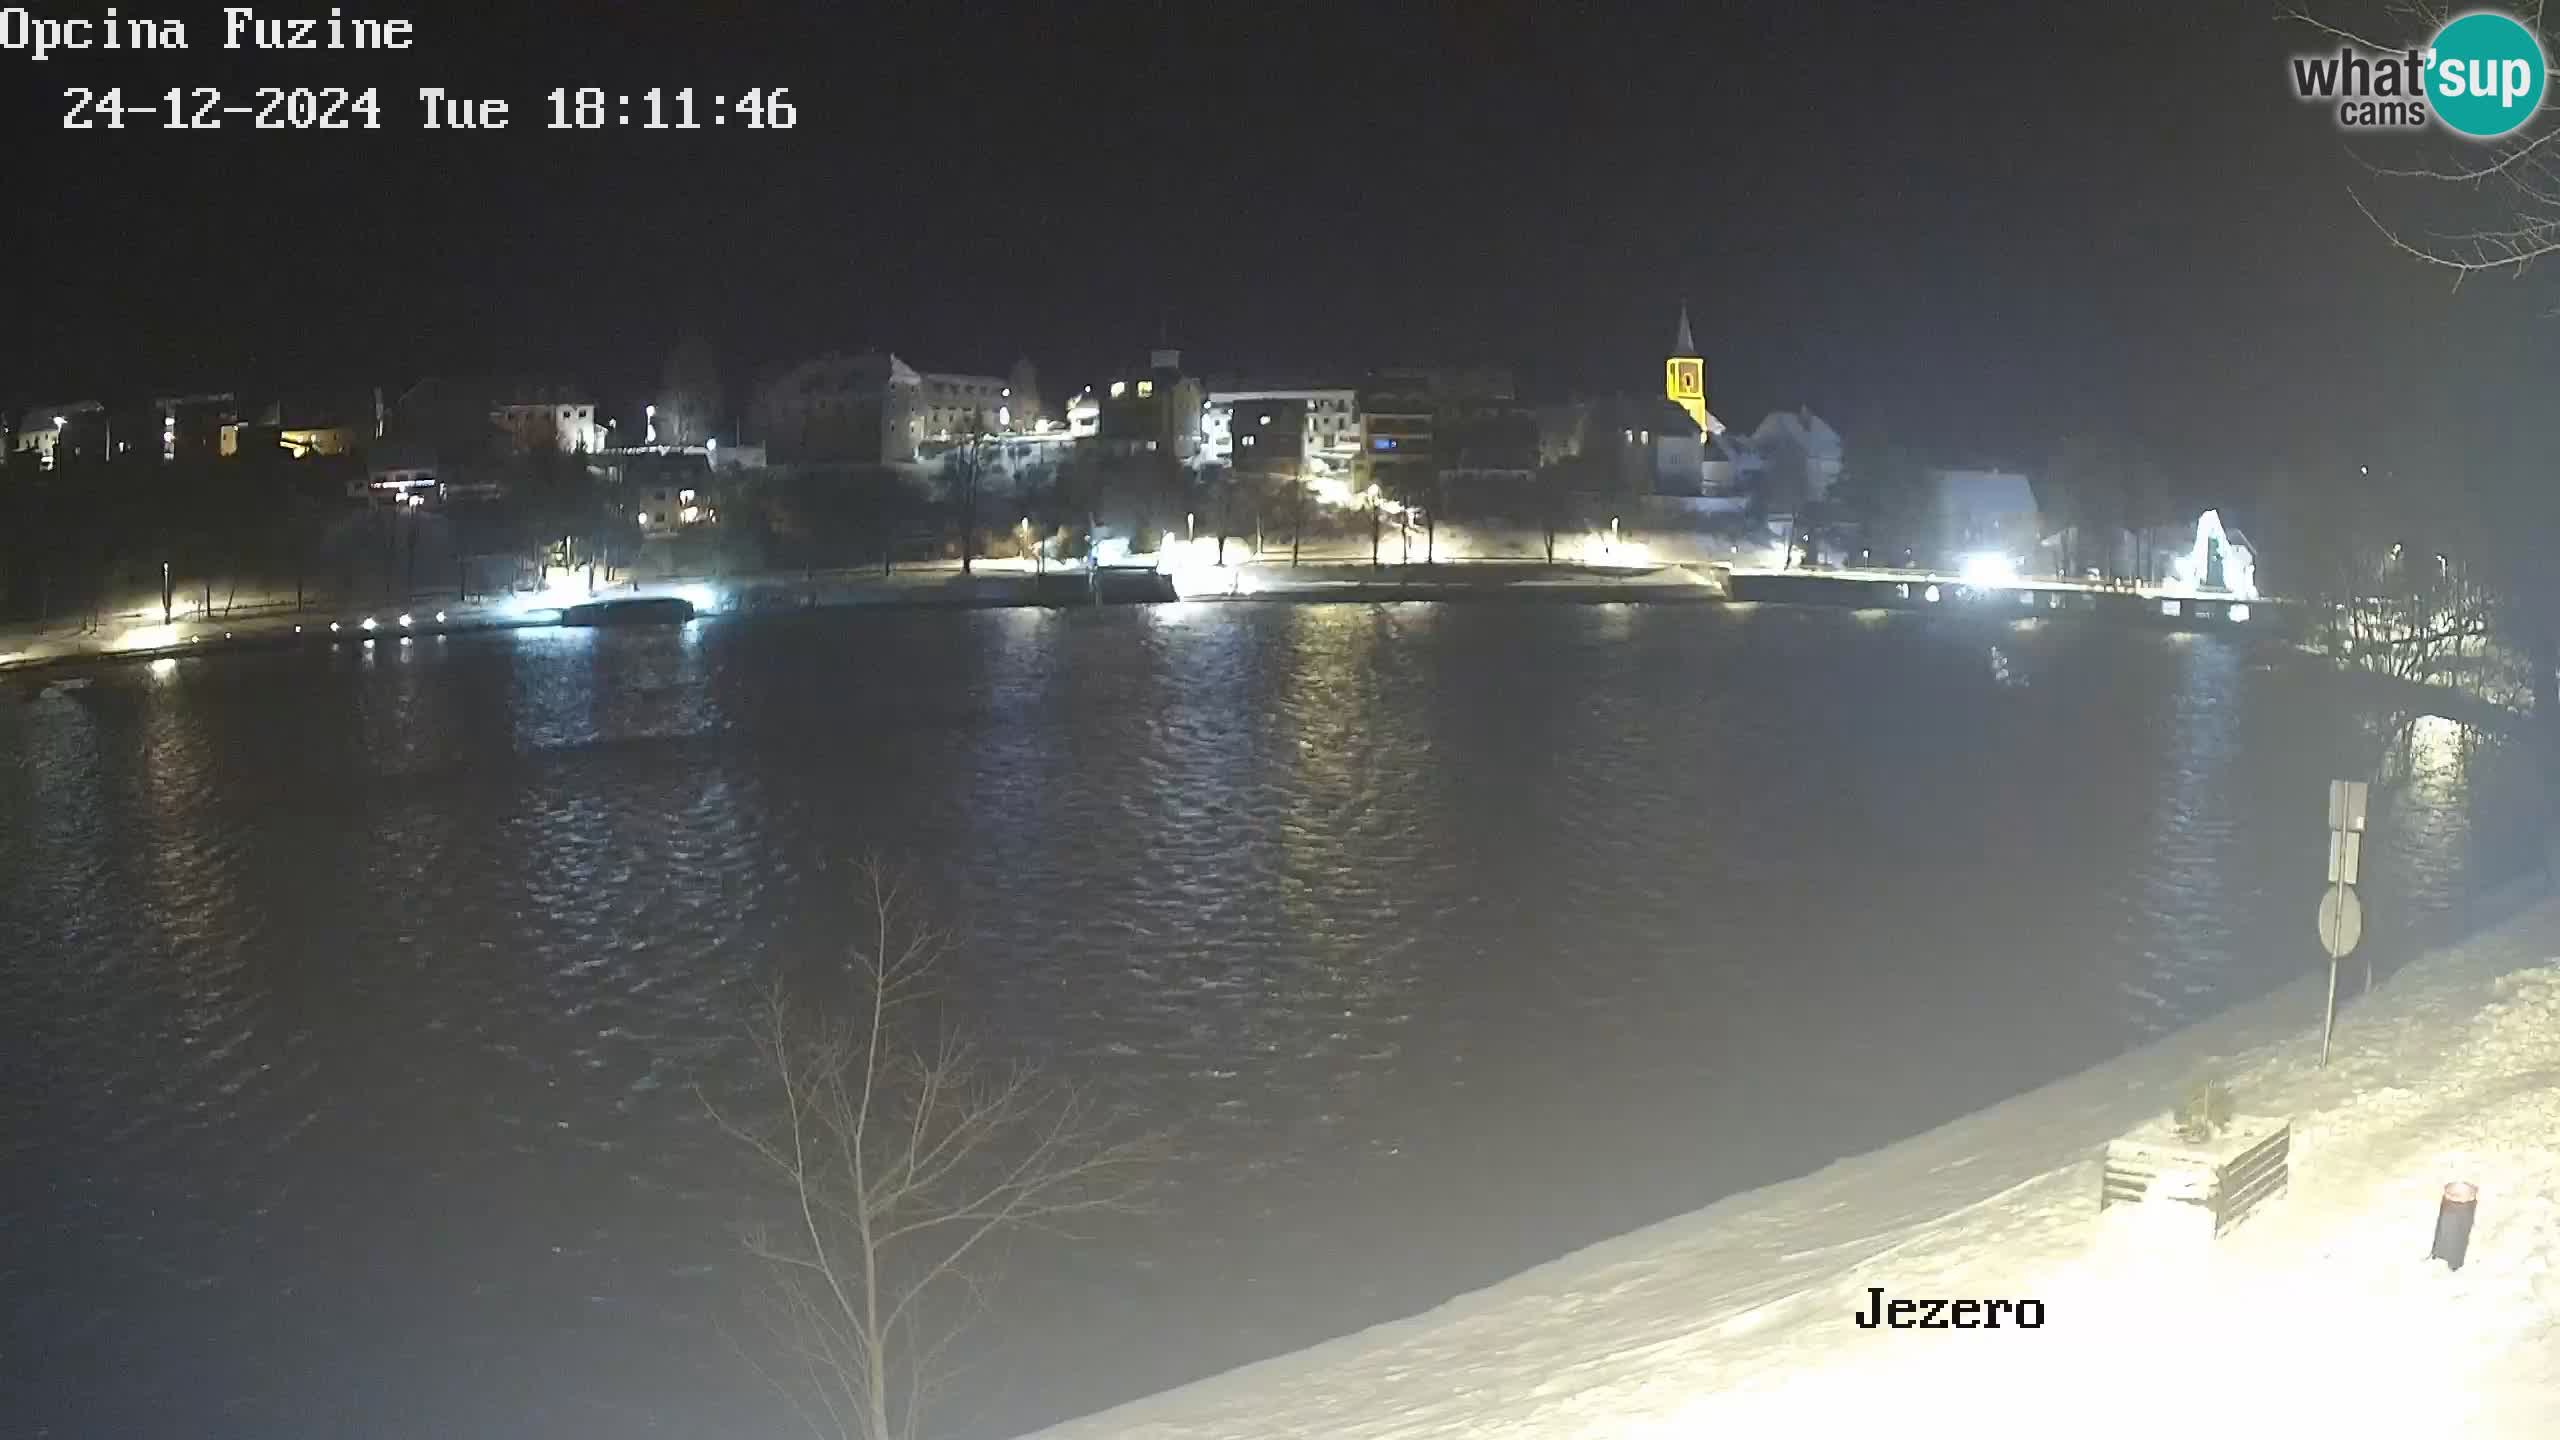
[2341, 920]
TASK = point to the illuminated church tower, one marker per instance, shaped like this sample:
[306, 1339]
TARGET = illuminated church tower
[1684, 375]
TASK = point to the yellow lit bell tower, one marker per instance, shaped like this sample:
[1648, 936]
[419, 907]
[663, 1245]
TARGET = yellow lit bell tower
[1684, 375]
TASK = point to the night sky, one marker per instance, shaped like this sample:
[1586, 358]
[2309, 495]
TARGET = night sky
[1974, 227]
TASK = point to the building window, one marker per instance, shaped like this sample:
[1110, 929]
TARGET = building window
[1119, 388]
[1146, 388]
[1248, 440]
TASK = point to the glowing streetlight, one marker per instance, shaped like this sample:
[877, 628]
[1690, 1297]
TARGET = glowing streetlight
[651, 415]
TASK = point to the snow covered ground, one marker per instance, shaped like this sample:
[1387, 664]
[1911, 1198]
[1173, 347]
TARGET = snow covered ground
[2320, 1316]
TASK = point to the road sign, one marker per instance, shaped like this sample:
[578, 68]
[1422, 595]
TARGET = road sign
[2346, 805]
[2346, 847]
[2341, 921]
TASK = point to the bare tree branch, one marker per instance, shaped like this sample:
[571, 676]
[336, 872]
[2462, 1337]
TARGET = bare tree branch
[2516, 176]
[902, 1165]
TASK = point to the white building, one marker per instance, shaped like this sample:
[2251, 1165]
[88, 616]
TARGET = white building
[1084, 415]
[558, 415]
[40, 430]
[1332, 425]
[875, 407]
[1735, 463]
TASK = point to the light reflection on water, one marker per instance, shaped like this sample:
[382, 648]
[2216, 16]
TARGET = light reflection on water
[388, 971]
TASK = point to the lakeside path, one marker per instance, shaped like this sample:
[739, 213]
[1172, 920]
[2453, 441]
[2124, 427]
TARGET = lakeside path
[2321, 1316]
[997, 585]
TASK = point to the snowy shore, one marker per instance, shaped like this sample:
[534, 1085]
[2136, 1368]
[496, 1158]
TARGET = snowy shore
[141, 635]
[2321, 1315]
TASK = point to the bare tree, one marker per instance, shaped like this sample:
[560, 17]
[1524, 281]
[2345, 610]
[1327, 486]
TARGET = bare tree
[964, 473]
[906, 1164]
[2510, 186]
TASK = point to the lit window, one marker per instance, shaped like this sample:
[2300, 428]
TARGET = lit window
[684, 497]
[1248, 440]
[1146, 388]
[1119, 388]
[1266, 419]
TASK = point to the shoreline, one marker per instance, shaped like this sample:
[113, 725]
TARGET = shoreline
[39, 651]
[941, 588]
[1738, 1314]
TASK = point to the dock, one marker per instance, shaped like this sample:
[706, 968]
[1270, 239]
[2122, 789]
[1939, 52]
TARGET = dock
[2147, 606]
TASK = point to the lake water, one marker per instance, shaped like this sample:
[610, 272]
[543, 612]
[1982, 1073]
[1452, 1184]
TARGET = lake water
[357, 1000]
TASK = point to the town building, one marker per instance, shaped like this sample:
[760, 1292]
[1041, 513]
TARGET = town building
[198, 427]
[839, 408]
[1399, 421]
[1622, 444]
[1798, 439]
[535, 414]
[1084, 415]
[1481, 433]
[667, 490]
[1636, 445]
[1330, 421]
[306, 426]
[874, 408]
[1425, 427]
[950, 404]
[1269, 438]
[1985, 511]
[62, 434]
[1154, 413]
[1145, 445]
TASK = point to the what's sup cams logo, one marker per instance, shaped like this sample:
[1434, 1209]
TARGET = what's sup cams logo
[2482, 78]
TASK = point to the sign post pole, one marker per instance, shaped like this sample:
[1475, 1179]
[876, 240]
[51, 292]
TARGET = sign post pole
[2341, 913]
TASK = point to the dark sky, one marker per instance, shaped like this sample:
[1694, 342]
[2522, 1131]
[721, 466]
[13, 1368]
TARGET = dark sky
[1975, 226]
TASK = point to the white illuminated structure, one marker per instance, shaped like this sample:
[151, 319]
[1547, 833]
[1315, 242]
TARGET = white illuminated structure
[2239, 565]
[1986, 569]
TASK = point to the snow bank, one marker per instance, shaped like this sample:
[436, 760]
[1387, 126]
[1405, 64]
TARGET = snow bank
[2318, 1316]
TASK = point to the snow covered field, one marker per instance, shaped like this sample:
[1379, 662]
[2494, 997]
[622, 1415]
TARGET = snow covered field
[2320, 1316]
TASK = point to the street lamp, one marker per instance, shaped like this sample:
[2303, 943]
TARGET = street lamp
[651, 415]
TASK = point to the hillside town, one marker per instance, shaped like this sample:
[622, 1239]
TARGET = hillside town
[479, 485]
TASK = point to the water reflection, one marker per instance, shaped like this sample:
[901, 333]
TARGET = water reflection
[397, 966]
[2189, 954]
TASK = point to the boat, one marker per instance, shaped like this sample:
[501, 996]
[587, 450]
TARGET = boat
[641, 610]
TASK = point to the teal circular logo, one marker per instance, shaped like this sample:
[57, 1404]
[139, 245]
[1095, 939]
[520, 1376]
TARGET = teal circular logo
[2485, 78]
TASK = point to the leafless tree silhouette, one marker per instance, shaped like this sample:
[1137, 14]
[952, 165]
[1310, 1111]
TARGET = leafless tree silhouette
[2509, 187]
[906, 1162]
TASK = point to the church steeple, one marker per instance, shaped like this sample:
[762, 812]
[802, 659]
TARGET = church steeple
[1684, 375]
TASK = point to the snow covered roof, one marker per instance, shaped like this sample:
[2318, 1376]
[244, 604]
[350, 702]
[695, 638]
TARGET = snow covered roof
[1804, 428]
[41, 417]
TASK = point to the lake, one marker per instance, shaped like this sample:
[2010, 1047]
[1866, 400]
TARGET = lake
[361, 1001]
